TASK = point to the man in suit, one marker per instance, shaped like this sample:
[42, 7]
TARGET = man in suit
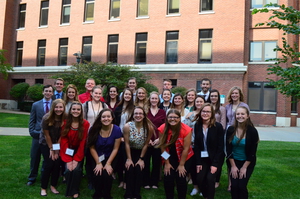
[38, 110]
[58, 85]
[205, 88]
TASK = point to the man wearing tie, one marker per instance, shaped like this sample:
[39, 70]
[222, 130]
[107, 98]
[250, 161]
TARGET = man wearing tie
[205, 88]
[58, 85]
[38, 110]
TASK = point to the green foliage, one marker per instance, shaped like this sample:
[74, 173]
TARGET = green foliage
[179, 89]
[286, 19]
[4, 67]
[19, 90]
[150, 87]
[105, 74]
[35, 92]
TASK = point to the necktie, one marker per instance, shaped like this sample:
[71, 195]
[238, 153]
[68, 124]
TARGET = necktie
[57, 96]
[47, 107]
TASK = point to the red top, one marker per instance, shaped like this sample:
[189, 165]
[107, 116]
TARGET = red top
[184, 131]
[73, 142]
[87, 97]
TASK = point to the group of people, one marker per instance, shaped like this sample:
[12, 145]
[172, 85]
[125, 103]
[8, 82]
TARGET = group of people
[141, 138]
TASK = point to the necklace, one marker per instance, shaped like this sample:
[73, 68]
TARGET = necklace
[95, 115]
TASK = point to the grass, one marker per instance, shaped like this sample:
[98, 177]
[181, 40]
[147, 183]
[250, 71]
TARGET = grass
[276, 174]
[9, 120]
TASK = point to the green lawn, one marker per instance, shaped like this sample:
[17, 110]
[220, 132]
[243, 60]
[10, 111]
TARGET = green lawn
[276, 175]
[14, 120]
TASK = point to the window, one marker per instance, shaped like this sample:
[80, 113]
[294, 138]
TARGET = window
[206, 5]
[39, 81]
[205, 46]
[89, 10]
[142, 8]
[173, 7]
[171, 47]
[19, 54]
[261, 96]
[261, 3]
[141, 46]
[44, 13]
[87, 48]
[41, 53]
[112, 52]
[22, 15]
[262, 50]
[65, 11]
[294, 105]
[114, 9]
[63, 52]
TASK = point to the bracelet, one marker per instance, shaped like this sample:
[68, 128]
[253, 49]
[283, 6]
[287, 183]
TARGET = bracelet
[99, 163]
[142, 158]
[108, 163]
[128, 160]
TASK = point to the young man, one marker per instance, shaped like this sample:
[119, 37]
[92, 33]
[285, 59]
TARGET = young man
[58, 85]
[38, 110]
[167, 84]
[89, 85]
[205, 88]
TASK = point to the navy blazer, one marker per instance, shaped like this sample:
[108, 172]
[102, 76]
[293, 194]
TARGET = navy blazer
[54, 96]
[252, 140]
[36, 115]
[214, 143]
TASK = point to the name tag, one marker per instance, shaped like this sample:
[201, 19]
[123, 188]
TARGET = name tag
[101, 158]
[55, 147]
[204, 154]
[70, 152]
[165, 155]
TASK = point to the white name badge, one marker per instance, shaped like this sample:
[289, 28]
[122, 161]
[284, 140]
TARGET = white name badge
[204, 154]
[101, 158]
[70, 152]
[55, 147]
[165, 155]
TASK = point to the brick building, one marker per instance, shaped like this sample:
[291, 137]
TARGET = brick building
[180, 40]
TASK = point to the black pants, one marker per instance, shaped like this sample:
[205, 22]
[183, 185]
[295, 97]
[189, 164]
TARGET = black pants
[193, 170]
[51, 168]
[206, 180]
[73, 179]
[220, 165]
[120, 167]
[239, 186]
[152, 178]
[134, 176]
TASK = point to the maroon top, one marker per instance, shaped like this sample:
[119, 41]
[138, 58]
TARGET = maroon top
[157, 120]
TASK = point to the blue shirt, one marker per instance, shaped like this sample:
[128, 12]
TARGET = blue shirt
[238, 149]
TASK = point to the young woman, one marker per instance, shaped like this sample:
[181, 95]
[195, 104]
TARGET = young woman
[103, 141]
[131, 85]
[73, 140]
[242, 140]
[190, 121]
[122, 114]
[157, 116]
[137, 134]
[190, 96]
[166, 104]
[220, 115]
[49, 142]
[178, 104]
[175, 144]
[70, 96]
[112, 98]
[141, 98]
[209, 144]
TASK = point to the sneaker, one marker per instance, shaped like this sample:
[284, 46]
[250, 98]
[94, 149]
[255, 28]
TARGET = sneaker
[194, 192]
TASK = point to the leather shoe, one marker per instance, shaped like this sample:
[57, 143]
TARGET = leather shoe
[30, 182]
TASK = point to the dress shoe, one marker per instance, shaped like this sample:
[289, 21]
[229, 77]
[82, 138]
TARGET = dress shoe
[30, 182]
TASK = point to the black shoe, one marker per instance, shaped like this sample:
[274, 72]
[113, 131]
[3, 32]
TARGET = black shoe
[30, 182]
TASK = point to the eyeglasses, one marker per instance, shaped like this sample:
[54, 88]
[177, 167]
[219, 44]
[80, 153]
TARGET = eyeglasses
[205, 112]
[173, 118]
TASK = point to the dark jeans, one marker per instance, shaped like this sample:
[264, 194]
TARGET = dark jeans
[35, 158]
[193, 170]
[152, 178]
[239, 186]
[134, 176]
[51, 168]
[120, 167]
[219, 171]
[88, 165]
[206, 180]
[73, 179]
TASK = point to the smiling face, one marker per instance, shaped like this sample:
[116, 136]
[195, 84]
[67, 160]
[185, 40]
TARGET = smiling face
[191, 96]
[166, 95]
[132, 84]
[75, 110]
[89, 84]
[205, 86]
[206, 113]
[199, 102]
[106, 118]
[113, 93]
[97, 94]
[178, 101]
[127, 96]
[138, 115]
[235, 95]
[167, 85]
[173, 119]
[59, 109]
[141, 94]
[214, 97]
[241, 115]
[71, 93]
[59, 85]
[48, 92]
[154, 99]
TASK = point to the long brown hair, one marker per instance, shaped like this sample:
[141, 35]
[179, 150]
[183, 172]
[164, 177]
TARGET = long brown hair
[182, 105]
[163, 142]
[144, 101]
[76, 93]
[218, 104]
[51, 118]
[212, 121]
[69, 121]
[130, 106]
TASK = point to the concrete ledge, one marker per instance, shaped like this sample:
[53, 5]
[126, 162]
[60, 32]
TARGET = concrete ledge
[283, 121]
[298, 122]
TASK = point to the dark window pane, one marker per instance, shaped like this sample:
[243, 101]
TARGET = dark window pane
[113, 53]
[113, 38]
[141, 53]
[141, 37]
[206, 5]
[172, 35]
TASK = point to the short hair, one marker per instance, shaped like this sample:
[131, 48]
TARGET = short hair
[167, 80]
[48, 86]
[205, 79]
[59, 79]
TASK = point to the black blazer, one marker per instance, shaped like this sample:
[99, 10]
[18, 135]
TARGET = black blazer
[214, 143]
[54, 97]
[252, 140]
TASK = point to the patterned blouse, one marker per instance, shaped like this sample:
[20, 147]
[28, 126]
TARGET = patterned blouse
[136, 139]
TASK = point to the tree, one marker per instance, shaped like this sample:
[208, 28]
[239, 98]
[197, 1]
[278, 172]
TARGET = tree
[286, 19]
[19, 90]
[35, 92]
[4, 67]
[104, 74]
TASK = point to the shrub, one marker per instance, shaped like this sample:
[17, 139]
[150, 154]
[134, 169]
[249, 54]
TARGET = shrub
[150, 87]
[35, 92]
[179, 89]
[19, 90]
